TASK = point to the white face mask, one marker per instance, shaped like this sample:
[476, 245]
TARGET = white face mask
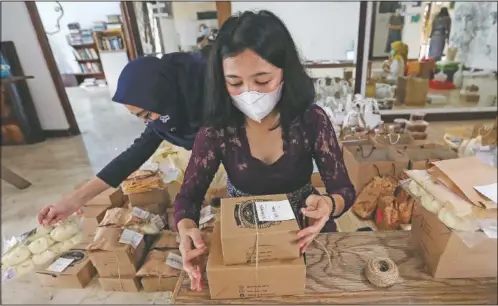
[257, 105]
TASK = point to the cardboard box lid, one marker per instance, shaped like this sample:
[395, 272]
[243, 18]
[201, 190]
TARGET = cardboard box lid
[454, 174]
[94, 211]
[236, 211]
[80, 261]
[215, 259]
[111, 196]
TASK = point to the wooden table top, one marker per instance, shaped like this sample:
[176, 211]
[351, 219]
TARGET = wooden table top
[344, 282]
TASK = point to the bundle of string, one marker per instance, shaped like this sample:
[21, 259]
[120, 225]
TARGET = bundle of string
[142, 181]
[381, 272]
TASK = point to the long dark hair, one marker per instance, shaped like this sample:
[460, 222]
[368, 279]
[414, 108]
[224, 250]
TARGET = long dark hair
[265, 34]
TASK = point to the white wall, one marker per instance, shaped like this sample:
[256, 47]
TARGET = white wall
[17, 27]
[321, 30]
[186, 23]
[413, 31]
[83, 12]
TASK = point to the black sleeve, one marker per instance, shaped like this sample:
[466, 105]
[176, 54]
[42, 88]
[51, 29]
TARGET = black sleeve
[130, 160]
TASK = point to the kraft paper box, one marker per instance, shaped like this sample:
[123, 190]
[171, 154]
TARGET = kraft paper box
[449, 254]
[112, 197]
[156, 196]
[71, 269]
[92, 215]
[122, 284]
[160, 270]
[244, 240]
[271, 278]
[113, 258]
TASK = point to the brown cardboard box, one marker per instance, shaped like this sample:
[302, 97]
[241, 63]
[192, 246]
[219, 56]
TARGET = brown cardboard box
[446, 253]
[158, 284]
[241, 239]
[123, 284]
[167, 240]
[412, 91]
[365, 162]
[111, 258]
[112, 197]
[92, 215]
[273, 278]
[170, 214]
[157, 274]
[77, 275]
[422, 155]
[155, 196]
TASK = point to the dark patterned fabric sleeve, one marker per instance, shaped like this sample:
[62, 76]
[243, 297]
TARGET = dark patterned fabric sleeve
[202, 166]
[328, 158]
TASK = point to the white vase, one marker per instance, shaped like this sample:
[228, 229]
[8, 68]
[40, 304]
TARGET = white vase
[458, 77]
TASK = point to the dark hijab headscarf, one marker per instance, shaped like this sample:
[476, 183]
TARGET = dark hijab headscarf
[173, 87]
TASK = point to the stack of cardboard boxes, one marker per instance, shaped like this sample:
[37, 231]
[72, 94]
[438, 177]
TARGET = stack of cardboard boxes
[94, 210]
[254, 250]
[163, 264]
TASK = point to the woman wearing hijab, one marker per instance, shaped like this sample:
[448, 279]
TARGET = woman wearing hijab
[168, 94]
[261, 123]
[440, 34]
[395, 25]
[397, 61]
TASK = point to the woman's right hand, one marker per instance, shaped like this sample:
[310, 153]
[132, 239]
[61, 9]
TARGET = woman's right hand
[70, 204]
[54, 213]
[192, 247]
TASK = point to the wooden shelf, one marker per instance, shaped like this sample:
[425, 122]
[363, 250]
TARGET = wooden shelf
[88, 45]
[88, 60]
[110, 51]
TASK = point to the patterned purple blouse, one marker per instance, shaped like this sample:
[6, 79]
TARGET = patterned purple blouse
[311, 137]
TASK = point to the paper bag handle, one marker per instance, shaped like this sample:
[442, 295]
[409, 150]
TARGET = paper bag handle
[378, 170]
[369, 154]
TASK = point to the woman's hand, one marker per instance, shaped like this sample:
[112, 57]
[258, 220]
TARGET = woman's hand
[54, 213]
[318, 209]
[192, 247]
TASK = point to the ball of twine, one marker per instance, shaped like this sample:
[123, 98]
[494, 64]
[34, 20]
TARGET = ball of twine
[381, 272]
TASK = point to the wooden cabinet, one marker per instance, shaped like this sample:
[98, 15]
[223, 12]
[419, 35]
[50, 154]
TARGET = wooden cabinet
[19, 120]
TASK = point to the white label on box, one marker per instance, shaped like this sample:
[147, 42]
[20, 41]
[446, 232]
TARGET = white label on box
[60, 265]
[131, 237]
[206, 214]
[140, 213]
[274, 211]
[175, 261]
[158, 222]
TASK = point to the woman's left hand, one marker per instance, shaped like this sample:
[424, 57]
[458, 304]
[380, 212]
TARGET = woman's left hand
[318, 211]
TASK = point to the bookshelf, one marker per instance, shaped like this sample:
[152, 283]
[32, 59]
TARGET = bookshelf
[110, 40]
[88, 58]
